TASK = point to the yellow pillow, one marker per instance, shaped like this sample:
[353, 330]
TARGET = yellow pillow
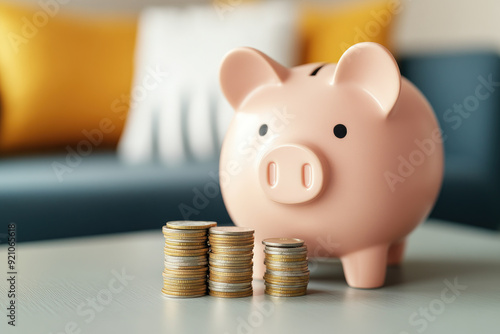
[63, 78]
[327, 31]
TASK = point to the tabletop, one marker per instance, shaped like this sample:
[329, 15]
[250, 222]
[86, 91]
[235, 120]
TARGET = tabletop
[448, 283]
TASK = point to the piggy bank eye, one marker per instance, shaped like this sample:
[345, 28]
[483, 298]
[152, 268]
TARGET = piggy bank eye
[340, 131]
[263, 130]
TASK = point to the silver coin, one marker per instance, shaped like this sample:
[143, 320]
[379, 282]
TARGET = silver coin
[175, 231]
[227, 284]
[222, 262]
[287, 270]
[185, 264]
[190, 225]
[231, 230]
[231, 270]
[172, 277]
[282, 250]
[231, 263]
[286, 256]
[230, 289]
[287, 264]
[287, 286]
[185, 268]
[283, 242]
[232, 248]
[182, 264]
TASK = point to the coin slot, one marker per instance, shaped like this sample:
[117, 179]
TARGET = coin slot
[307, 177]
[272, 174]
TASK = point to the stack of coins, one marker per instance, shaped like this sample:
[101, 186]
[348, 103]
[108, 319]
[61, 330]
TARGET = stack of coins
[287, 273]
[230, 261]
[186, 263]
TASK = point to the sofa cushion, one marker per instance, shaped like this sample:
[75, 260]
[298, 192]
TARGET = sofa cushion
[61, 75]
[102, 195]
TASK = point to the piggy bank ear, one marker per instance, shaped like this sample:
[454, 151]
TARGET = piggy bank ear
[371, 67]
[245, 69]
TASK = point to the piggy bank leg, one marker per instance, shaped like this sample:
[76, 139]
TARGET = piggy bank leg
[366, 268]
[258, 260]
[396, 253]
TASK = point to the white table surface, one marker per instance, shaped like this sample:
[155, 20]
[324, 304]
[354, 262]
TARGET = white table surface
[57, 277]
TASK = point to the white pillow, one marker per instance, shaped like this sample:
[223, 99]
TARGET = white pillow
[182, 115]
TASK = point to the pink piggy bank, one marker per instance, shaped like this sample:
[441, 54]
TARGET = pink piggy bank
[346, 156]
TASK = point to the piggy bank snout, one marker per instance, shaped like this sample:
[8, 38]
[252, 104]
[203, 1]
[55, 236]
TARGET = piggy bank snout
[291, 174]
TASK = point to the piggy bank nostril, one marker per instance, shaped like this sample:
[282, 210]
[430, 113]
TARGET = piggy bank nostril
[272, 174]
[307, 175]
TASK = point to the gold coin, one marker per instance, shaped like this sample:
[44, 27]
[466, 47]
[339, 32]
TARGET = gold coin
[185, 293]
[185, 280]
[283, 242]
[190, 225]
[232, 245]
[231, 250]
[280, 294]
[284, 282]
[285, 269]
[184, 297]
[193, 287]
[239, 246]
[226, 294]
[230, 257]
[228, 279]
[285, 259]
[185, 272]
[282, 279]
[192, 252]
[231, 265]
[285, 289]
[185, 237]
[287, 286]
[232, 275]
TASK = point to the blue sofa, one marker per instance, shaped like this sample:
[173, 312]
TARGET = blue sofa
[102, 195]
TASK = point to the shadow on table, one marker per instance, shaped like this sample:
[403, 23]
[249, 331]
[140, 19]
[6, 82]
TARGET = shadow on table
[414, 271]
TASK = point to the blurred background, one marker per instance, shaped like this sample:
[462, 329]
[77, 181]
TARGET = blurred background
[112, 120]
